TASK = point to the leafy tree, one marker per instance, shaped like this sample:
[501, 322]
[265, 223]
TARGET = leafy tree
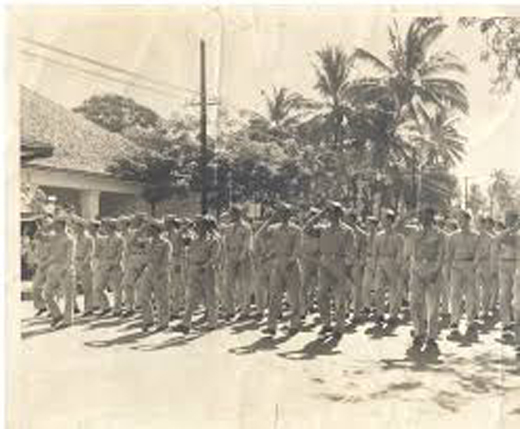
[476, 200]
[116, 113]
[413, 77]
[438, 142]
[164, 166]
[501, 35]
[333, 68]
[504, 192]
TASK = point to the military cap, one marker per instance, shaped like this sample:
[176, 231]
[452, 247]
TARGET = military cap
[156, 224]
[389, 212]
[372, 219]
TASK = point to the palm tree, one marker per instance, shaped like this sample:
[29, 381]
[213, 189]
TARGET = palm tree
[438, 143]
[414, 77]
[333, 79]
[283, 112]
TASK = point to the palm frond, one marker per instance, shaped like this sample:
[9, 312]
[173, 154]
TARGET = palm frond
[441, 62]
[450, 92]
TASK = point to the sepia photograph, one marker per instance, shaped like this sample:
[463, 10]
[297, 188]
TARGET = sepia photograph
[272, 217]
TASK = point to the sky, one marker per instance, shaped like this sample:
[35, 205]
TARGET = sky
[248, 50]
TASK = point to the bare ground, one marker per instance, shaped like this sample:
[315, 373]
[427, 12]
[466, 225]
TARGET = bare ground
[107, 374]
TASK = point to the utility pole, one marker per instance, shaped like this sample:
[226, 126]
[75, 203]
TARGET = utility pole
[203, 131]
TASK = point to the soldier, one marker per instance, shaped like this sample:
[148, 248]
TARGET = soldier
[83, 265]
[99, 242]
[388, 245]
[427, 256]
[508, 250]
[237, 248]
[135, 262]
[286, 275]
[369, 273]
[461, 260]
[178, 261]
[42, 254]
[156, 280]
[263, 260]
[203, 255]
[446, 228]
[337, 246]
[60, 274]
[484, 272]
[310, 258]
[358, 267]
[109, 267]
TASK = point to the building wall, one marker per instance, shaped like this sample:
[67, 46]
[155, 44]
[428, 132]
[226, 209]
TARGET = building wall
[112, 204]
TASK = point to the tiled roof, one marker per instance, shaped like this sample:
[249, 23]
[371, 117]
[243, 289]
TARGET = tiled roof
[78, 143]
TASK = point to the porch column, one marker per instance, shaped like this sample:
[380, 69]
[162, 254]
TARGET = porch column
[89, 200]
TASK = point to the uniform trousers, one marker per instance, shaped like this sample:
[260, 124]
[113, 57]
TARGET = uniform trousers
[201, 289]
[335, 285]
[155, 286]
[386, 278]
[506, 276]
[286, 277]
[38, 284]
[60, 280]
[84, 278]
[310, 281]
[425, 290]
[463, 291]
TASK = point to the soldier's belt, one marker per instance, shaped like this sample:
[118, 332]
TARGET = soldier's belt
[467, 259]
[508, 259]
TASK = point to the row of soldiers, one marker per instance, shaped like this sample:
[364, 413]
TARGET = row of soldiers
[325, 261]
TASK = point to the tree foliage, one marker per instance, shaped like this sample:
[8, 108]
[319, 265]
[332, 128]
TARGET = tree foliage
[116, 113]
[501, 36]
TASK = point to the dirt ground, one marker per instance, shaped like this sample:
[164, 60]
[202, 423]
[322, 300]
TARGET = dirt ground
[102, 374]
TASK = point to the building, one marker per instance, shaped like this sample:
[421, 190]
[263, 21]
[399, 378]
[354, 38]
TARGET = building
[67, 156]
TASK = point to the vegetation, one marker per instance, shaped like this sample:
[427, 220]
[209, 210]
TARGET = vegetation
[380, 131]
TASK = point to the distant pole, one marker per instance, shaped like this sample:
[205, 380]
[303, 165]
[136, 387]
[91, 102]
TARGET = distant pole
[466, 178]
[203, 131]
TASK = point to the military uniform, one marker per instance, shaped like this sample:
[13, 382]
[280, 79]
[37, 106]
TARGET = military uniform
[369, 271]
[136, 253]
[462, 248]
[508, 260]
[237, 291]
[263, 257]
[83, 266]
[337, 249]
[427, 255]
[177, 273]
[388, 246]
[42, 255]
[203, 254]
[60, 277]
[286, 275]
[485, 284]
[310, 266]
[358, 270]
[445, 297]
[156, 282]
[109, 269]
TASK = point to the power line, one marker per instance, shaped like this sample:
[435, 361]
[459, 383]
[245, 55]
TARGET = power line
[84, 71]
[110, 67]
